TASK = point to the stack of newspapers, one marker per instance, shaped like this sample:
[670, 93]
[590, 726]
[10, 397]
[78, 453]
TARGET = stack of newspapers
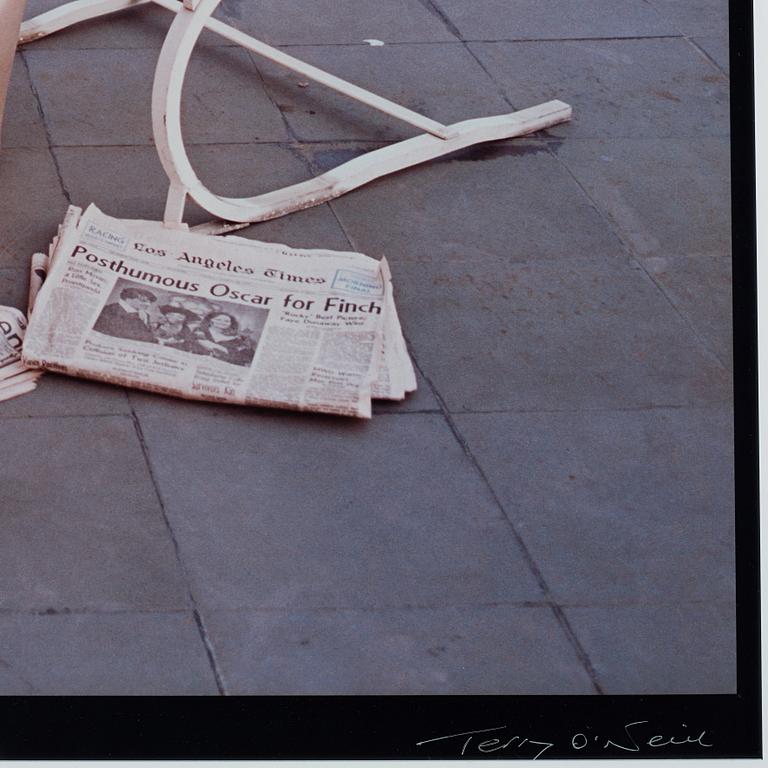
[224, 319]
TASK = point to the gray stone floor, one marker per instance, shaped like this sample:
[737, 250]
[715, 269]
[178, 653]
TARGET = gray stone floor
[556, 501]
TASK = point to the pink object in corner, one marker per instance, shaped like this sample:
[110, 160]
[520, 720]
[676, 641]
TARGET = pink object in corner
[11, 12]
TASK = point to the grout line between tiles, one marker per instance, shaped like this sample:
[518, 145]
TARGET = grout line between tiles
[373, 608]
[91, 611]
[207, 644]
[709, 58]
[376, 143]
[436, 411]
[46, 128]
[533, 566]
[35, 416]
[615, 409]
[437, 11]
[211, 47]
[290, 133]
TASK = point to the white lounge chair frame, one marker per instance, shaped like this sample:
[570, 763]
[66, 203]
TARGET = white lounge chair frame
[192, 16]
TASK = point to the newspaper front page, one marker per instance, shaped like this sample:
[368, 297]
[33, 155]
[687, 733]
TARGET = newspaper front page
[224, 319]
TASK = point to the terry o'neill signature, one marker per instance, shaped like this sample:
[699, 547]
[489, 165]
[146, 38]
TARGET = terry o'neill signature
[632, 738]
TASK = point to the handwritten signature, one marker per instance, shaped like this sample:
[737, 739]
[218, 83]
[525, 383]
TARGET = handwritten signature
[633, 739]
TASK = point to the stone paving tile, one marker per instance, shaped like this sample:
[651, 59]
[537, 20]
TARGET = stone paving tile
[652, 88]
[617, 506]
[31, 174]
[103, 97]
[291, 511]
[135, 654]
[442, 81]
[14, 287]
[716, 48]
[554, 19]
[695, 17]
[679, 649]
[237, 170]
[334, 22]
[127, 182]
[512, 200]
[482, 650]
[83, 529]
[22, 126]
[665, 198]
[553, 335]
[685, 280]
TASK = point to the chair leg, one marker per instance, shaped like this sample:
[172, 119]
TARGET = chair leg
[174, 207]
[70, 13]
[166, 120]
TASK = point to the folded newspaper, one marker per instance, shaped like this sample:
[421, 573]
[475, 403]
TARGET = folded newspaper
[225, 319]
[15, 377]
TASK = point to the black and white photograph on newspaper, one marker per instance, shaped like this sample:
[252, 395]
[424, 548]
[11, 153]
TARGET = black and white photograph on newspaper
[222, 330]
